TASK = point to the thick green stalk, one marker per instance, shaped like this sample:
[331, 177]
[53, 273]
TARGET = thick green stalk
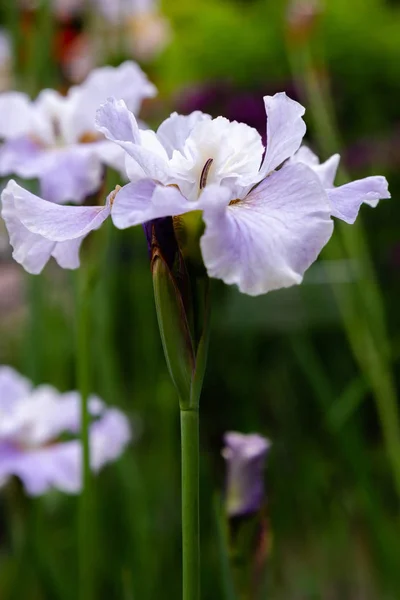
[83, 378]
[183, 312]
[190, 503]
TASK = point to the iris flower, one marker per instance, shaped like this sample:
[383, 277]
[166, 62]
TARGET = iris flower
[267, 211]
[245, 457]
[54, 138]
[31, 423]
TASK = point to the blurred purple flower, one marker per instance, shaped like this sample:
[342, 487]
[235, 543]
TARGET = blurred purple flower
[245, 459]
[54, 138]
[267, 211]
[223, 98]
[31, 423]
[367, 152]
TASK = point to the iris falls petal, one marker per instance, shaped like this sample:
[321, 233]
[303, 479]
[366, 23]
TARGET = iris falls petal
[268, 240]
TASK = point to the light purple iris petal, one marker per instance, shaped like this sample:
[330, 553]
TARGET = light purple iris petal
[67, 253]
[133, 171]
[175, 130]
[245, 457]
[13, 387]
[29, 250]
[326, 171]
[285, 130]
[16, 156]
[109, 436]
[70, 174]
[35, 226]
[47, 414]
[66, 174]
[144, 200]
[15, 114]
[119, 125]
[347, 199]
[33, 420]
[55, 223]
[110, 154]
[56, 466]
[269, 239]
[127, 82]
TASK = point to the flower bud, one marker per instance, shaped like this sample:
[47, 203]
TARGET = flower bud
[181, 297]
[168, 273]
[245, 458]
[248, 530]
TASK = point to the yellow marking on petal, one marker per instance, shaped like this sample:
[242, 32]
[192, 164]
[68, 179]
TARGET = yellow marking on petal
[88, 137]
[113, 194]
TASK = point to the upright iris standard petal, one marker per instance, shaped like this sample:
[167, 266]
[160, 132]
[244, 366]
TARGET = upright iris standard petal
[231, 152]
[285, 130]
[39, 229]
[326, 171]
[174, 131]
[268, 240]
[119, 125]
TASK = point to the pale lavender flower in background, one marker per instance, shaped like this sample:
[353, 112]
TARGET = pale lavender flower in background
[31, 423]
[54, 138]
[245, 456]
[267, 213]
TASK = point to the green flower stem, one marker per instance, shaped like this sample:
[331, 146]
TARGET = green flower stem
[190, 503]
[83, 378]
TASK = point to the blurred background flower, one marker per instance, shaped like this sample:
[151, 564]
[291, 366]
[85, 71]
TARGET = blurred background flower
[32, 423]
[245, 456]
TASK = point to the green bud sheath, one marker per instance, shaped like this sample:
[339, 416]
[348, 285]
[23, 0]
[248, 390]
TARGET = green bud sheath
[174, 328]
